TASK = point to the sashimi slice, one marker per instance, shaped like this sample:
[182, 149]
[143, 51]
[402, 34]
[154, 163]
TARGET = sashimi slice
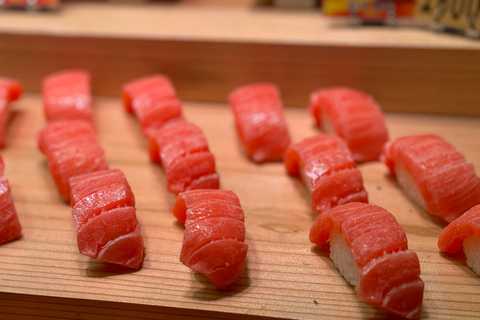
[328, 170]
[182, 174]
[260, 122]
[214, 236]
[213, 204]
[354, 116]
[105, 217]
[434, 174]
[176, 140]
[183, 150]
[465, 230]
[154, 114]
[147, 88]
[66, 96]
[87, 184]
[370, 249]
[10, 90]
[72, 149]
[153, 100]
[9, 225]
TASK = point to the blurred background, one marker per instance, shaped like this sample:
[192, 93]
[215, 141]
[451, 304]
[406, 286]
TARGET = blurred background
[415, 56]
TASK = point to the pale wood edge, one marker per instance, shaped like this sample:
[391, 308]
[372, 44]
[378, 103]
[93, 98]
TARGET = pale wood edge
[25, 306]
[441, 81]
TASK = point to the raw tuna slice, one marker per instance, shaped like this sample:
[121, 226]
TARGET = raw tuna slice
[465, 230]
[182, 149]
[105, 216]
[153, 100]
[354, 116]
[72, 149]
[434, 174]
[328, 170]
[260, 122]
[9, 225]
[10, 90]
[66, 96]
[370, 249]
[214, 237]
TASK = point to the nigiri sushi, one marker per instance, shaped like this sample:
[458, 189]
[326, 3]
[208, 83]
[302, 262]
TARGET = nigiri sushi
[354, 116]
[72, 149]
[214, 236]
[434, 174]
[10, 90]
[66, 96]
[370, 250]
[465, 230]
[153, 100]
[182, 149]
[9, 225]
[328, 170]
[260, 122]
[105, 216]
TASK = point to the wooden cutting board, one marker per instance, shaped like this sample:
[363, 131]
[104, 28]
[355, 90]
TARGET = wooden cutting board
[42, 274]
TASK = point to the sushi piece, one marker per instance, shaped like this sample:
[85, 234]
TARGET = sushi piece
[183, 150]
[434, 174]
[464, 231]
[10, 90]
[260, 122]
[105, 216]
[370, 250]
[66, 96]
[328, 170]
[354, 116]
[9, 225]
[153, 100]
[72, 149]
[214, 237]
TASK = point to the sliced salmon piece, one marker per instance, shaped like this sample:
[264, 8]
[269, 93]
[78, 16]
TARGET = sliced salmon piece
[105, 217]
[370, 249]
[10, 90]
[464, 231]
[328, 170]
[260, 122]
[434, 174]
[214, 236]
[9, 224]
[153, 100]
[182, 149]
[72, 149]
[66, 96]
[354, 116]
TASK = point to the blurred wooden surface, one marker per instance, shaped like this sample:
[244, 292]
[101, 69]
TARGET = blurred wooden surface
[208, 51]
[43, 276]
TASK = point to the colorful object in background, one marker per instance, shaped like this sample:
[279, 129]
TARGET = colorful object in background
[30, 4]
[456, 14]
[370, 9]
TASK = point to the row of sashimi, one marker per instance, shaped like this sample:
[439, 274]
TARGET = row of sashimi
[367, 245]
[102, 201]
[214, 236]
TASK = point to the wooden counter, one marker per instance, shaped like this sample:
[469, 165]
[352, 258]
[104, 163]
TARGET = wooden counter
[208, 51]
[43, 276]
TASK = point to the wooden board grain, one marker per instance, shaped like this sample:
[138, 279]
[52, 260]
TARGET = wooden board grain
[208, 51]
[42, 275]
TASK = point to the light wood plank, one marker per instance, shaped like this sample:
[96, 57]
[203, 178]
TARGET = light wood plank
[42, 274]
[209, 51]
